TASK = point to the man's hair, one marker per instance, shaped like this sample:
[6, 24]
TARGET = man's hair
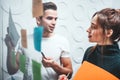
[49, 5]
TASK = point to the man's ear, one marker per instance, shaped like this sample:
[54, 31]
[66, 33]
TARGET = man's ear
[109, 32]
[38, 21]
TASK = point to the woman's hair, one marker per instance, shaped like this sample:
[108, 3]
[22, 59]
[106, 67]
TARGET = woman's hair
[109, 18]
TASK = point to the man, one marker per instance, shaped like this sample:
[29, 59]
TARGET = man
[55, 47]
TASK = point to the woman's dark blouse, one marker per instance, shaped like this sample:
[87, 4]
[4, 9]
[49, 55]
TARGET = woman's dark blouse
[106, 57]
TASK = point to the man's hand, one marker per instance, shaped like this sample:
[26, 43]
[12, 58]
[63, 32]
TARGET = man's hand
[8, 41]
[47, 62]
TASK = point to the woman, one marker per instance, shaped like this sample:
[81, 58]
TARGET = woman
[105, 31]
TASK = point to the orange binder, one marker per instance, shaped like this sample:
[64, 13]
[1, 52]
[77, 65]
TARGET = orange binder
[89, 71]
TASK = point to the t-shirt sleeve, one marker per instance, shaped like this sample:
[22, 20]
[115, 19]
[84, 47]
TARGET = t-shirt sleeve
[65, 52]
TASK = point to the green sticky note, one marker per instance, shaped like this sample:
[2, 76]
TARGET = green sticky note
[13, 58]
[22, 63]
[36, 67]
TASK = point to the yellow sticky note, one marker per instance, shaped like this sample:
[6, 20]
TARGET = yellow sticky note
[24, 38]
[37, 8]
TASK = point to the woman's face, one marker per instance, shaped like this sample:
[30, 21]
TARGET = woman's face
[95, 32]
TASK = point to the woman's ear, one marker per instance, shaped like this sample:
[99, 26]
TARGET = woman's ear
[109, 32]
[38, 21]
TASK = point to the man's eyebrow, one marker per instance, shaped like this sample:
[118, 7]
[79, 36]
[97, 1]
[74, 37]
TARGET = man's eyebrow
[52, 17]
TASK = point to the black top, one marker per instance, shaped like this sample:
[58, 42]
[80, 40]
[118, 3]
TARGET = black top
[106, 57]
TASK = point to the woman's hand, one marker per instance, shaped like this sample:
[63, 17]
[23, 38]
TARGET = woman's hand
[62, 77]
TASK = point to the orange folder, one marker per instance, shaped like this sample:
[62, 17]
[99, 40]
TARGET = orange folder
[89, 71]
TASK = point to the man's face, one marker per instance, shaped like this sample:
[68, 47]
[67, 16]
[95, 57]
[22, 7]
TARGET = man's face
[48, 20]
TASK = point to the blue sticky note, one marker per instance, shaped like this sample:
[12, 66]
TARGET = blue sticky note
[38, 32]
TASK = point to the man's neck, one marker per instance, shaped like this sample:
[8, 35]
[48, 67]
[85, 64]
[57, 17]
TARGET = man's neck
[47, 35]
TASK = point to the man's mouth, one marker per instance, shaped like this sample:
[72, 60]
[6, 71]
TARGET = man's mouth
[51, 28]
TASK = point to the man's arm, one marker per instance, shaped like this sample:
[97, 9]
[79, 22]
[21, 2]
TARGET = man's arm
[12, 64]
[64, 68]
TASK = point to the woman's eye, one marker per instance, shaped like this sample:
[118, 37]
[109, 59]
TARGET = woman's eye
[93, 27]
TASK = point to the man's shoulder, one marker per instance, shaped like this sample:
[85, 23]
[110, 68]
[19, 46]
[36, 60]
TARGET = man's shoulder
[60, 39]
[58, 36]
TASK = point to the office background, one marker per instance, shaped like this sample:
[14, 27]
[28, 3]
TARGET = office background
[74, 18]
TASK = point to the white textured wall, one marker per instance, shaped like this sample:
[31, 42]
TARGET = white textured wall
[0, 42]
[73, 20]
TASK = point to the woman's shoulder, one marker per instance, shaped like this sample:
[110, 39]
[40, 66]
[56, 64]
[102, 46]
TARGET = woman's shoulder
[88, 49]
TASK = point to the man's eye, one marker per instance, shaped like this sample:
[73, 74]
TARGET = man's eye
[49, 18]
[56, 18]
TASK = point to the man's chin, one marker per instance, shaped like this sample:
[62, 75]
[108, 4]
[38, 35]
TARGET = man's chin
[51, 31]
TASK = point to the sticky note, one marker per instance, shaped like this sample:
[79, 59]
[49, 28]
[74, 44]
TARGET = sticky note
[38, 32]
[22, 60]
[37, 8]
[24, 38]
[36, 67]
[12, 30]
[13, 58]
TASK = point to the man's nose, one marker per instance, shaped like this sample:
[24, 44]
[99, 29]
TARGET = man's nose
[53, 21]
